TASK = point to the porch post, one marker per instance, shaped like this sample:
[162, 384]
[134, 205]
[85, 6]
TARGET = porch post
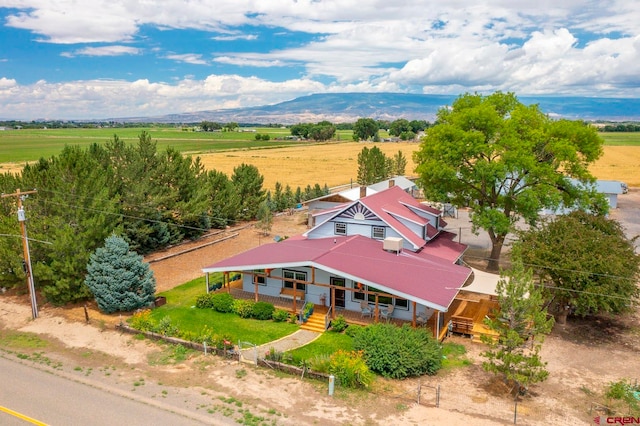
[206, 281]
[436, 330]
[376, 308]
[333, 302]
[226, 282]
[413, 319]
[295, 289]
[255, 287]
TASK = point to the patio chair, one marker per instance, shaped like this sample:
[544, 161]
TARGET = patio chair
[386, 313]
[422, 317]
[365, 309]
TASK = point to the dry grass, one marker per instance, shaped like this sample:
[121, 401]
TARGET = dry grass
[337, 164]
[332, 164]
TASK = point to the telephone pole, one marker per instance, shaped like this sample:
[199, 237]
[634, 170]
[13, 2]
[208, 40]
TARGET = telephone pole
[25, 247]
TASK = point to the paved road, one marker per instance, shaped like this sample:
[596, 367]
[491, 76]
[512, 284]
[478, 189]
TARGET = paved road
[52, 399]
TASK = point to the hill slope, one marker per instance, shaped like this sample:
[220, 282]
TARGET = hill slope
[348, 107]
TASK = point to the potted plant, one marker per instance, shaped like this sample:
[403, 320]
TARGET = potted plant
[307, 311]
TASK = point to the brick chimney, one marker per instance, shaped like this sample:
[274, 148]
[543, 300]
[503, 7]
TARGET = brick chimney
[392, 183]
[363, 191]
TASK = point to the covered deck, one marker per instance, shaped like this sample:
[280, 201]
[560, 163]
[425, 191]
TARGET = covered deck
[466, 313]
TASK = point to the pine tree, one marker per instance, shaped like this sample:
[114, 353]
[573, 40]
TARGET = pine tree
[118, 277]
[521, 325]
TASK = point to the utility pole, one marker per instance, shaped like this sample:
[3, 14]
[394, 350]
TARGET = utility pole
[25, 247]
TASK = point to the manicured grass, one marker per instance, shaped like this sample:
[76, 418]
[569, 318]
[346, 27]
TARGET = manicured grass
[181, 309]
[326, 344]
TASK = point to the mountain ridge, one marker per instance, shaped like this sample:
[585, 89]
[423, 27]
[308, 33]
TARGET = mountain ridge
[348, 107]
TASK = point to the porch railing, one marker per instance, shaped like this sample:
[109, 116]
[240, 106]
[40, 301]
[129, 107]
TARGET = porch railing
[327, 318]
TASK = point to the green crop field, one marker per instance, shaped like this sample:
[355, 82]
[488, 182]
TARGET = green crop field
[30, 145]
[19, 146]
[621, 138]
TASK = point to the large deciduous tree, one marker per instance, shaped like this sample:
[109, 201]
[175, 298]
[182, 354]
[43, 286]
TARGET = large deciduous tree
[506, 161]
[586, 262]
[118, 278]
[364, 129]
[521, 325]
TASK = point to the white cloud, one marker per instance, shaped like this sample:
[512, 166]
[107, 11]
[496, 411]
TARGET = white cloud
[116, 98]
[115, 50]
[189, 58]
[543, 47]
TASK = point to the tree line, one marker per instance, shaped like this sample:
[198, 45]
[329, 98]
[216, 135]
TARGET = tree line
[151, 199]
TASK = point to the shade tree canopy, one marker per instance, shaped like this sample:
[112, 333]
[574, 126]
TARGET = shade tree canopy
[506, 161]
[586, 263]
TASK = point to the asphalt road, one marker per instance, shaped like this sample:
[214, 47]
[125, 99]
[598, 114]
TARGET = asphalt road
[52, 399]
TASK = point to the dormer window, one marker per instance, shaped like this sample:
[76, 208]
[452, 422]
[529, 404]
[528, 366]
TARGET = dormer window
[340, 228]
[378, 232]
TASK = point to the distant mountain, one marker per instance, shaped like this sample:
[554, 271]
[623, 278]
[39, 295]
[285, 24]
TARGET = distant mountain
[348, 107]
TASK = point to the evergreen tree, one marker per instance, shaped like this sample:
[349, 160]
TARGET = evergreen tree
[373, 166]
[118, 278]
[521, 325]
[265, 218]
[247, 181]
[399, 164]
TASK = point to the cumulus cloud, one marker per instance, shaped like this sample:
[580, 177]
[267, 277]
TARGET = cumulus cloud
[429, 46]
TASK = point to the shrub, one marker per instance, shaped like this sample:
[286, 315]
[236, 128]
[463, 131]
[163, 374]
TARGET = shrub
[205, 301]
[350, 369]
[222, 302]
[262, 310]
[244, 308]
[165, 327]
[398, 352]
[280, 315]
[320, 363]
[339, 324]
[141, 320]
[353, 330]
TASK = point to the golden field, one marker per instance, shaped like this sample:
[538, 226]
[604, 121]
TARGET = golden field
[337, 164]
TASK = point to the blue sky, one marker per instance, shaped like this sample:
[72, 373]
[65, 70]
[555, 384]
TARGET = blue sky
[94, 59]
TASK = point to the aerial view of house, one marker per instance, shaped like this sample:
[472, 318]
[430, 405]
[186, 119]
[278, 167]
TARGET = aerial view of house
[384, 256]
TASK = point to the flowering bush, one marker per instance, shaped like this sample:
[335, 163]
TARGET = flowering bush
[350, 369]
[142, 321]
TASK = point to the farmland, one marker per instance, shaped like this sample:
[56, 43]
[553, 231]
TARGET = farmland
[289, 162]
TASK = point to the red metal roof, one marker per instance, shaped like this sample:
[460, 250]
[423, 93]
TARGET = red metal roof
[423, 277]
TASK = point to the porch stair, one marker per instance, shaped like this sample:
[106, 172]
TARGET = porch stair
[315, 322]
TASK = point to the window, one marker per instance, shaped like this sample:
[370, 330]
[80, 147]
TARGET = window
[340, 228]
[382, 300]
[294, 275]
[261, 279]
[378, 232]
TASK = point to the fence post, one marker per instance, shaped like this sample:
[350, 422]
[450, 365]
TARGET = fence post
[419, 390]
[438, 396]
[331, 384]
[204, 344]
[515, 412]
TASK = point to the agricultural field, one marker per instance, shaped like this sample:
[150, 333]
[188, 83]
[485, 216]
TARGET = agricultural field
[288, 162]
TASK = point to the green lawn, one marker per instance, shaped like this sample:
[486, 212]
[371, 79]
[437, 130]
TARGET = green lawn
[181, 309]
